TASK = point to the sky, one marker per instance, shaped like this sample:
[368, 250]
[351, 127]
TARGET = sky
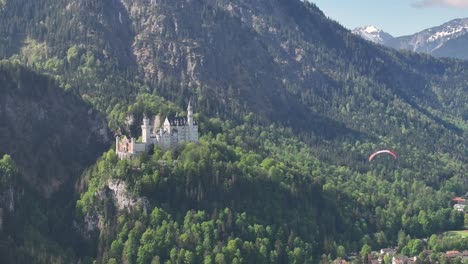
[397, 17]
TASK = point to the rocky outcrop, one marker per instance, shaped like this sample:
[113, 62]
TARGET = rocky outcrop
[190, 43]
[123, 199]
[114, 195]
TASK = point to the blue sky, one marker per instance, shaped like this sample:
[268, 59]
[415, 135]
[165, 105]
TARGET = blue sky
[397, 17]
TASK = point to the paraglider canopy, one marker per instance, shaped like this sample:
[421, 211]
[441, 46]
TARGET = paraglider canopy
[382, 151]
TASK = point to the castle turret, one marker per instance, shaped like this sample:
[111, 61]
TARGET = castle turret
[157, 123]
[145, 130]
[192, 129]
[117, 139]
[190, 113]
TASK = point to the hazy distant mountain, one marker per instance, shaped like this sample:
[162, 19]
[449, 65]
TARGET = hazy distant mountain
[373, 34]
[447, 40]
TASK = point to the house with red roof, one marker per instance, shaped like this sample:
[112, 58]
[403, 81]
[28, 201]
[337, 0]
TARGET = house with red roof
[459, 200]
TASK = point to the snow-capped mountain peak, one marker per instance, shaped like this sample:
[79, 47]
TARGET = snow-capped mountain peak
[371, 29]
[449, 30]
[372, 33]
[447, 40]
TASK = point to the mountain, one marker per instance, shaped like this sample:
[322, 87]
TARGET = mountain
[48, 137]
[373, 34]
[446, 40]
[289, 105]
[41, 122]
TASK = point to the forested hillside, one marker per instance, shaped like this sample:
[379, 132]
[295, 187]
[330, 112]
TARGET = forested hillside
[257, 194]
[50, 136]
[290, 105]
[42, 123]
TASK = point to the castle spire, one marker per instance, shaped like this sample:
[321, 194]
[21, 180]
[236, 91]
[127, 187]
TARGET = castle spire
[190, 113]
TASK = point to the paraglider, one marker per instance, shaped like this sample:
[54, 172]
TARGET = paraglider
[382, 151]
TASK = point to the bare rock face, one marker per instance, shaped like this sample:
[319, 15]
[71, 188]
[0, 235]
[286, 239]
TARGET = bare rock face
[191, 44]
[123, 199]
[157, 45]
[92, 223]
[114, 195]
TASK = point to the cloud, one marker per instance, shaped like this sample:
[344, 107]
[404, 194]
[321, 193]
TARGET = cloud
[444, 3]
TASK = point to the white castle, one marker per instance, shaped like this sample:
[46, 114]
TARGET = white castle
[171, 133]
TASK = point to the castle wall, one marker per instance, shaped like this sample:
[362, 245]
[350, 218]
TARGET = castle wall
[182, 134]
[140, 147]
[125, 155]
[124, 145]
[174, 138]
[192, 133]
[165, 142]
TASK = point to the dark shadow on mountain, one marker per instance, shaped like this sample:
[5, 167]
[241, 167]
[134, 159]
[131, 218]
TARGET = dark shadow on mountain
[52, 135]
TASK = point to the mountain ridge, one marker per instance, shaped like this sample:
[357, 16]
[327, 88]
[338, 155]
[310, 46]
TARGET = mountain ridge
[446, 40]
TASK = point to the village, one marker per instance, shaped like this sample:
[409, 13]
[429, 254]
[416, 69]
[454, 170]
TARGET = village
[392, 256]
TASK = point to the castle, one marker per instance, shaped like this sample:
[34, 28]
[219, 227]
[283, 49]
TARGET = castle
[171, 133]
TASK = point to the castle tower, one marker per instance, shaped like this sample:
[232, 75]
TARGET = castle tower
[192, 129]
[157, 123]
[190, 114]
[145, 130]
[117, 139]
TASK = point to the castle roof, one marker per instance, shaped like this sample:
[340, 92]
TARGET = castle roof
[178, 121]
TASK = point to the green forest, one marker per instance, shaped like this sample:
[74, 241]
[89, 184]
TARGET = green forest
[249, 193]
[287, 121]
